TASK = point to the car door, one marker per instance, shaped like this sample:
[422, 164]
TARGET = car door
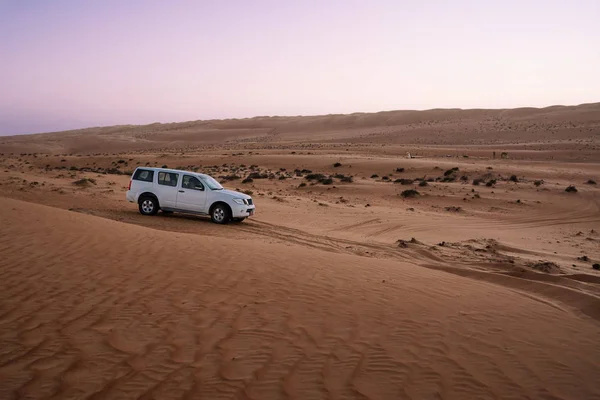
[192, 194]
[167, 189]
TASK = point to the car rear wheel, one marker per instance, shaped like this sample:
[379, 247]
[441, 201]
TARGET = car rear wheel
[220, 214]
[148, 206]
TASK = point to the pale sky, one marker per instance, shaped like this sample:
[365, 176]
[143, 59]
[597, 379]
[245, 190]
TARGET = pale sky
[68, 64]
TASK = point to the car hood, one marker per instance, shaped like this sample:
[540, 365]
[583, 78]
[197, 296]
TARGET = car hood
[233, 193]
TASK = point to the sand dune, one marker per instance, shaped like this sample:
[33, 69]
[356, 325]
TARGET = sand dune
[96, 307]
[481, 286]
[432, 127]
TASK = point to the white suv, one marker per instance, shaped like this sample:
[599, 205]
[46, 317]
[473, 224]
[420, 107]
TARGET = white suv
[172, 190]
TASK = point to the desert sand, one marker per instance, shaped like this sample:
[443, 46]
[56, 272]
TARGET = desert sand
[479, 286]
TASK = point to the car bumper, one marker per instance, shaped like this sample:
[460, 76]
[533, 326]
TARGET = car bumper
[243, 211]
[130, 196]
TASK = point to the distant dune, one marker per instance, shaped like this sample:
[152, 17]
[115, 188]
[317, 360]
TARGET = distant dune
[438, 126]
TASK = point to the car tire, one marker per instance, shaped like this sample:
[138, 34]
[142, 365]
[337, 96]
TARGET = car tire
[238, 219]
[220, 214]
[148, 205]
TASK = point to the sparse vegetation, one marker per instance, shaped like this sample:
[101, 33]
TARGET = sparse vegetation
[591, 182]
[337, 164]
[314, 177]
[513, 178]
[374, 176]
[410, 193]
[248, 180]
[571, 189]
[538, 182]
[344, 178]
[453, 209]
[450, 171]
[301, 185]
[85, 182]
[490, 183]
[257, 175]
[248, 192]
[545, 266]
[477, 181]
[399, 169]
[423, 183]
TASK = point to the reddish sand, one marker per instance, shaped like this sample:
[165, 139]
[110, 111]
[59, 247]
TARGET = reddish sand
[322, 294]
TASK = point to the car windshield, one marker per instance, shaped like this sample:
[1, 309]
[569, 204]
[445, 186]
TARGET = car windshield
[212, 183]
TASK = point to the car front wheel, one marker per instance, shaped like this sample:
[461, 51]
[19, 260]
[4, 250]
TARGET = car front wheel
[220, 214]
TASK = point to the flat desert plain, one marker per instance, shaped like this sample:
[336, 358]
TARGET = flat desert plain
[465, 271]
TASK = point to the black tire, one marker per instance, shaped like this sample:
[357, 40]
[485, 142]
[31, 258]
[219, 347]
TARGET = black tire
[238, 219]
[220, 213]
[148, 205]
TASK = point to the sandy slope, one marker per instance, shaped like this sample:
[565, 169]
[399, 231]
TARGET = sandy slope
[97, 307]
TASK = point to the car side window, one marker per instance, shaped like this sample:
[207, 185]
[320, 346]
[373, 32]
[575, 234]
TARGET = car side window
[191, 182]
[143, 175]
[167, 178]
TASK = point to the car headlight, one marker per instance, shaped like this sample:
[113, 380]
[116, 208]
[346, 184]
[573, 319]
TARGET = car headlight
[239, 201]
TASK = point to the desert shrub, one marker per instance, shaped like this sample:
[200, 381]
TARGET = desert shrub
[450, 171]
[73, 168]
[347, 179]
[596, 266]
[406, 181]
[453, 209]
[399, 169]
[490, 183]
[337, 164]
[248, 180]
[571, 189]
[230, 177]
[464, 178]
[410, 193]
[326, 181]
[385, 178]
[282, 177]
[314, 177]
[538, 182]
[121, 162]
[85, 182]
[477, 181]
[248, 192]
[423, 183]
[591, 182]
[257, 175]
[374, 176]
[302, 184]
[513, 178]
[449, 179]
